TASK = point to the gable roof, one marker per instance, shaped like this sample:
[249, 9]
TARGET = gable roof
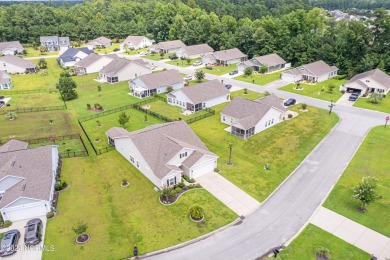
[135, 40]
[160, 79]
[13, 145]
[197, 49]
[316, 68]
[170, 44]
[159, 143]
[4, 77]
[101, 40]
[92, 58]
[69, 54]
[249, 112]
[115, 66]
[62, 41]
[375, 74]
[141, 62]
[270, 60]
[204, 91]
[116, 132]
[14, 44]
[20, 62]
[229, 54]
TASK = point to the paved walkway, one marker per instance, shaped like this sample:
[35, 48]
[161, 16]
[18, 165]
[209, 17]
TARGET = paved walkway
[232, 196]
[344, 100]
[276, 84]
[358, 235]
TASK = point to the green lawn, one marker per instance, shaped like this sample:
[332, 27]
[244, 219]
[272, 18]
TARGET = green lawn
[370, 160]
[157, 56]
[172, 112]
[312, 238]
[136, 122]
[108, 49]
[63, 145]
[120, 217]
[251, 95]
[260, 79]
[220, 70]
[195, 81]
[44, 99]
[36, 53]
[182, 63]
[283, 146]
[365, 103]
[133, 52]
[315, 90]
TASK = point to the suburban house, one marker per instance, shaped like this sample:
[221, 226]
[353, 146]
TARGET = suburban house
[199, 96]
[93, 63]
[164, 152]
[225, 57]
[5, 80]
[249, 117]
[11, 48]
[101, 42]
[27, 179]
[55, 43]
[313, 72]
[122, 69]
[195, 51]
[168, 46]
[72, 55]
[147, 85]
[272, 61]
[136, 42]
[14, 64]
[370, 81]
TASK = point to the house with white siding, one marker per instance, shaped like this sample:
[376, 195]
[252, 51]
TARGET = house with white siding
[101, 42]
[164, 152]
[93, 63]
[11, 48]
[14, 64]
[272, 61]
[55, 43]
[249, 117]
[373, 81]
[136, 42]
[313, 72]
[199, 96]
[195, 51]
[5, 80]
[225, 57]
[168, 46]
[73, 55]
[122, 69]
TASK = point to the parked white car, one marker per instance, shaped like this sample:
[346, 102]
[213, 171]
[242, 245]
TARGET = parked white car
[197, 63]
[188, 77]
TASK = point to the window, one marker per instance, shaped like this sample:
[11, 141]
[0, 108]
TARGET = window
[223, 118]
[182, 155]
[171, 181]
[131, 159]
[272, 122]
[137, 164]
[266, 124]
[169, 100]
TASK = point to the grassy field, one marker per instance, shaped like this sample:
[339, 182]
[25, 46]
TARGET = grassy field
[220, 70]
[183, 63]
[365, 103]
[283, 146]
[157, 56]
[260, 79]
[251, 95]
[370, 160]
[120, 217]
[36, 53]
[172, 112]
[63, 145]
[45, 99]
[108, 49]
[315, 90]
[306, 245]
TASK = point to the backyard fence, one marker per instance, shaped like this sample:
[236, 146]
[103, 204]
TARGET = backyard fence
[104, 150]
[30, 91]
[32, 109]
[89, 140]
[154, 114]
[70, 154]
[210, 112]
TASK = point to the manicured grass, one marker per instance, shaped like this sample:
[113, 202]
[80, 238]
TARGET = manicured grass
[365, 103]
[220, 70]
[195, 81]
[63, 145]
[315, 89]
[133, 52]
[283, 146]
[260, 79]
[370, 160]
[44, 99]
[182, 63]
[36, 53]
[312, 238]
[251, 95]
[120, 217]
[172, 112]
[108, 49]
[157, 56]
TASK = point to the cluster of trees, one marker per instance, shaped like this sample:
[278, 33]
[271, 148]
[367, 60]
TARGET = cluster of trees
[300, 36]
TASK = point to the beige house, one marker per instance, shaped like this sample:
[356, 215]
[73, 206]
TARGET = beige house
[13, 64]
[225, 57]
[272, 61]
[101, 42]
[195, 51]
[168, 46]
[93, 63]
[11, 48]
[313, 72]
[370, 81]
[122, 69]
[136, 42]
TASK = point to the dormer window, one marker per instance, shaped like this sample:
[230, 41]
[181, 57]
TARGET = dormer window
[182, 155]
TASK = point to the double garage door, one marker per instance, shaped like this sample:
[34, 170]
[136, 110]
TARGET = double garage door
[288, 77]
[27, 212]
[203, 169]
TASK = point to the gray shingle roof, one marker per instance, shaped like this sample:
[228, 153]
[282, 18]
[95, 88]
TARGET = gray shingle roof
[92, 58]
[101, 40]
[170, 44]
[376, 74]
[160, 79]
[69, 54]
[13, 145]
[204, 91]
[270, 60]
[4, 77]
[229, 54]
[114, 67]
[20, 62]
[198, 49]
[318, 68]
[135, 40]
[14, 44]
[116, 132]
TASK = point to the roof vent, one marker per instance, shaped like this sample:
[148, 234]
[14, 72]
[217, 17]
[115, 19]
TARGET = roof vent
[24, 187]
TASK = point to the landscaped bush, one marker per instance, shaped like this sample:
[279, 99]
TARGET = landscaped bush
[303, 106]
[181, 185]
[340, 77]
[50, 214]
[216, 170]
[7, 223]
[196, 212]
[342, 91]
[178, 190]
[198, 185]
[186, 178]
[289, 115]
[191, 186]
[61, 185]
[192, 180]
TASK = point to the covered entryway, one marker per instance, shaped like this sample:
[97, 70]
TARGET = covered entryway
[24, 212]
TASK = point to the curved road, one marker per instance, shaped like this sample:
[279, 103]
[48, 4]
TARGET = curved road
[286, 211]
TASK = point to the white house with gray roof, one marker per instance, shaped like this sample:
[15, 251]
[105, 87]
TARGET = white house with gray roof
[5, 80]
[249, 117]
[73, 55]
[11, 48]
[27, 180]
[101, 42]
[225, 57]
[164, 152]
[195, 51]
[55, 43]
[147, 85]
[136, 42]
[313, 72]
[122, 69]
[168, 46]
[93, 63]
[272, 61]
[199, 96]
[370, 81]
[14, 64]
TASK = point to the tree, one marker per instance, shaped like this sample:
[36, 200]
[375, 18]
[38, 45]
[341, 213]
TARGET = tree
[89, 106]
[199, 75]
[11, 115]
[66, 86]
[42, 49]
[188, 60]
[123, 118]
[376, 98]
[366, 192]
[196, 212]
[330, 88]
[230, 146]
[80, 228]
[248, 71]
[169, 89]
[263, 69]
[161, 54]
[42, 64]
[182, 59]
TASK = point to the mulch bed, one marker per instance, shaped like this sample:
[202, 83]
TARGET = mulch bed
[83, 238]
[173, 198]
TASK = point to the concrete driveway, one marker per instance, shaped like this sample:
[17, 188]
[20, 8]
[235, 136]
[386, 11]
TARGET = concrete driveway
[344, 100]
[27, 253]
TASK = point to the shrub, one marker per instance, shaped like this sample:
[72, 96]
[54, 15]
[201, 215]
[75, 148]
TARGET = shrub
[342, 91]
[7, 223]
[192, 180]
[196, 212]
[267, 93]
[216, 170]
[303, 106]
[322, 253]
[173, 192]
[186, 178]
[50, 214]
[191, 186]
[181, 185]
[339, 77]
[289, 115]
[80, 228]
[198, 185]
[365, 95]
[178, 190]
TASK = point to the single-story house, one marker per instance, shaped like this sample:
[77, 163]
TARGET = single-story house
[55, 43]
[164, 152]
[249, 117]
[27, 180]
[313, 72]
[199, 96]
[122, 69]
[101, 42]
[14, 64]
[369, 81]
[195, 51]
[93, 63]
[11, 48]
[72, 55]
[136, 42]
[168, 46]
[5, 80]
[146, 85]
[272, 61]
[225, 57]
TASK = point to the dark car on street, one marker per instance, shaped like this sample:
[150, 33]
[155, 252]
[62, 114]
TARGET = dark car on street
[33, 232]
[289, 102]
[116, 49]
[9, 242]
[234, 72]
[173, 57]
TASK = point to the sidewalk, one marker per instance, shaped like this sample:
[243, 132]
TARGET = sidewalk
[358, 235]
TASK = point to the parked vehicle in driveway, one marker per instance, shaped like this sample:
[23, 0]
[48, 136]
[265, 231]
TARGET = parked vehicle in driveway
[289, 102]
[197, 63]
[33, 232]
[188, 77]
[116, 49]
[9, 242]
[354, 96]
[234, 72]
[228, 86]
[173, 57]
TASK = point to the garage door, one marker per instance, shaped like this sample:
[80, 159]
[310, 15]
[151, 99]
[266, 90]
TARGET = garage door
[25, 213]
[288, 77]
[203, 169]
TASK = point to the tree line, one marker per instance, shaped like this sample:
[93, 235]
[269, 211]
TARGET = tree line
[348, 4]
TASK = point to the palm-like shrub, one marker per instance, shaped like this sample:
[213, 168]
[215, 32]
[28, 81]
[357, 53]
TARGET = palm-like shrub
[196, 212]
